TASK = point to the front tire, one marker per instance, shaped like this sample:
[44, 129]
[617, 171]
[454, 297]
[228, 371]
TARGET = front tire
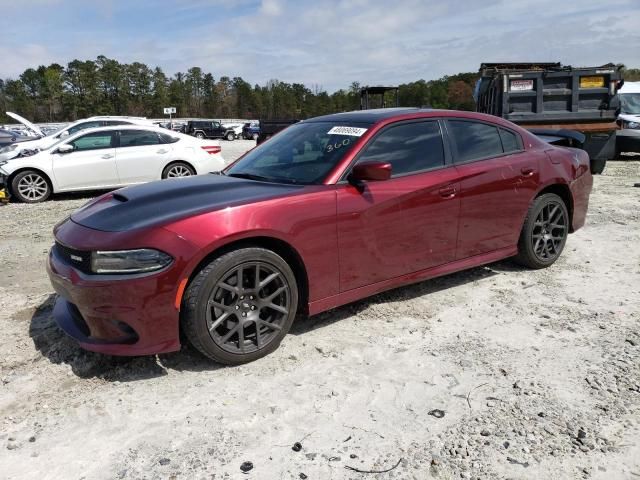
[231, 136]
[544, 233]
[240, 306]
[31, 186]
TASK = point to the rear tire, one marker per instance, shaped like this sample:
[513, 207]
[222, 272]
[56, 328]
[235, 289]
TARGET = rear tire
[200, 135]
[597, 166]
[177, 170]
[31, 186]
[236, 321]
[544, 233]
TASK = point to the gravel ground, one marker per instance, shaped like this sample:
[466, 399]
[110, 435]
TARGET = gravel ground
[496, 372]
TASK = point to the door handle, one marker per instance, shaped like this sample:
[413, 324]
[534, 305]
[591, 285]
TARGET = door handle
[162, 150]
[447, 192]
[107, 155]
[527, 171]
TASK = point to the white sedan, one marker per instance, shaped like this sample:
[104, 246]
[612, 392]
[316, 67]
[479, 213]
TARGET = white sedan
[107, 158]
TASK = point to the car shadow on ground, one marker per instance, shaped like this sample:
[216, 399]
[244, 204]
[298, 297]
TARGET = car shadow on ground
[58, 348]
[409, 292]
[84, 194]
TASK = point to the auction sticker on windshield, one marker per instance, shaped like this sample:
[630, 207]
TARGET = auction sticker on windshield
[351, 131]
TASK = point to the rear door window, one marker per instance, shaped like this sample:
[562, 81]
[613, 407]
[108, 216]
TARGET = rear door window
[164, 138]
[474, 140]
[409, 148]
[138, 138]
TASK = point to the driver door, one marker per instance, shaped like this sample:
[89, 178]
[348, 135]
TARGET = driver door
[91, 164]
[407, 223]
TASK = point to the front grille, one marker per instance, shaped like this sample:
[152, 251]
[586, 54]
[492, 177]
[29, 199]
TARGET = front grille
[76, 258]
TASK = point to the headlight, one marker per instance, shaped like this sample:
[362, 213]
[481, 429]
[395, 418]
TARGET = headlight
[632, 125]
[129, 261]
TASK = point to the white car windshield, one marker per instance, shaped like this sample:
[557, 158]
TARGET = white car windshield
[630, 103]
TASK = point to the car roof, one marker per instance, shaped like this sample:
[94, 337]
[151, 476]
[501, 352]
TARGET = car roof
[388, 115]
[368, 116]
[630, 87]
[132, 126]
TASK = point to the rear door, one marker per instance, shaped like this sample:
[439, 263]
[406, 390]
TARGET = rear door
[140, 156]
[216, 130]
[498, 180]
[91, 164]
[407, 223]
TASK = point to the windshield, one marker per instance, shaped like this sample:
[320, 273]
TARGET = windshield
[55, 144]
[630, 103]
[304, 153]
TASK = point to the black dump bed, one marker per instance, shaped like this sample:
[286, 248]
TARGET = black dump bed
[555, 96]
[547, 92]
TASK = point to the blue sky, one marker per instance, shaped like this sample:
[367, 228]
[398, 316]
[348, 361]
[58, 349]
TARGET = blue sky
[319, 43]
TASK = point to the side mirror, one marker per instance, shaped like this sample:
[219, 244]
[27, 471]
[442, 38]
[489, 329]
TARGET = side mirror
[370, 171]
[66, 148]
[64, 134]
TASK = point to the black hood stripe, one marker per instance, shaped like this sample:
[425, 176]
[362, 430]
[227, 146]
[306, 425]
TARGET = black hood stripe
[164, 201]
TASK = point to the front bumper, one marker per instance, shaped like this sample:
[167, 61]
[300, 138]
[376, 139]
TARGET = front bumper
[118, 314]
[628, 140]
[4, 188]
[122, 317]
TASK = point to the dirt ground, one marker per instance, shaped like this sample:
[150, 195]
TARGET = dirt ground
[537, 374]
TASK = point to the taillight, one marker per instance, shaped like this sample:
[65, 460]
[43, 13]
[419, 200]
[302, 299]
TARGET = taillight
[213, 149]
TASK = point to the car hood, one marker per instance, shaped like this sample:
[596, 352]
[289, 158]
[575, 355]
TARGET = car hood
[26, 123]
[158, 203]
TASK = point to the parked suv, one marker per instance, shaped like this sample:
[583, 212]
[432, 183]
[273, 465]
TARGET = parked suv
[209, 129]
[251, 131]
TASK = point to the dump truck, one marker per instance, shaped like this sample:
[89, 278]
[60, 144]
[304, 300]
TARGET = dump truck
[552, 96]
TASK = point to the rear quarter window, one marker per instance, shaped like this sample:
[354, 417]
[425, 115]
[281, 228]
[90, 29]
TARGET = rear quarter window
[510, 141]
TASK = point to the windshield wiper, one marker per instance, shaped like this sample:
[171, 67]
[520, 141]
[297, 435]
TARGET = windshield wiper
[250, 176]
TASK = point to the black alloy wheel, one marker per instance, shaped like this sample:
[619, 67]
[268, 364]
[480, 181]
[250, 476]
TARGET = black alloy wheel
[544, 233]
[549, 231]
[240, 306]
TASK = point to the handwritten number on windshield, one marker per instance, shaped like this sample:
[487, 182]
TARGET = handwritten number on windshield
[338, 144]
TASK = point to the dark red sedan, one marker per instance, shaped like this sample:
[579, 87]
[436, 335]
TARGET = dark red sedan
[331, 210]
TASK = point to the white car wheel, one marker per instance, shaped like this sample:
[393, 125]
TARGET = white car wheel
[31, 187]
[176, 170]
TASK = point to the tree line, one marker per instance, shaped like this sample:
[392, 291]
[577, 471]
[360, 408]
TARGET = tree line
[105, 86]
